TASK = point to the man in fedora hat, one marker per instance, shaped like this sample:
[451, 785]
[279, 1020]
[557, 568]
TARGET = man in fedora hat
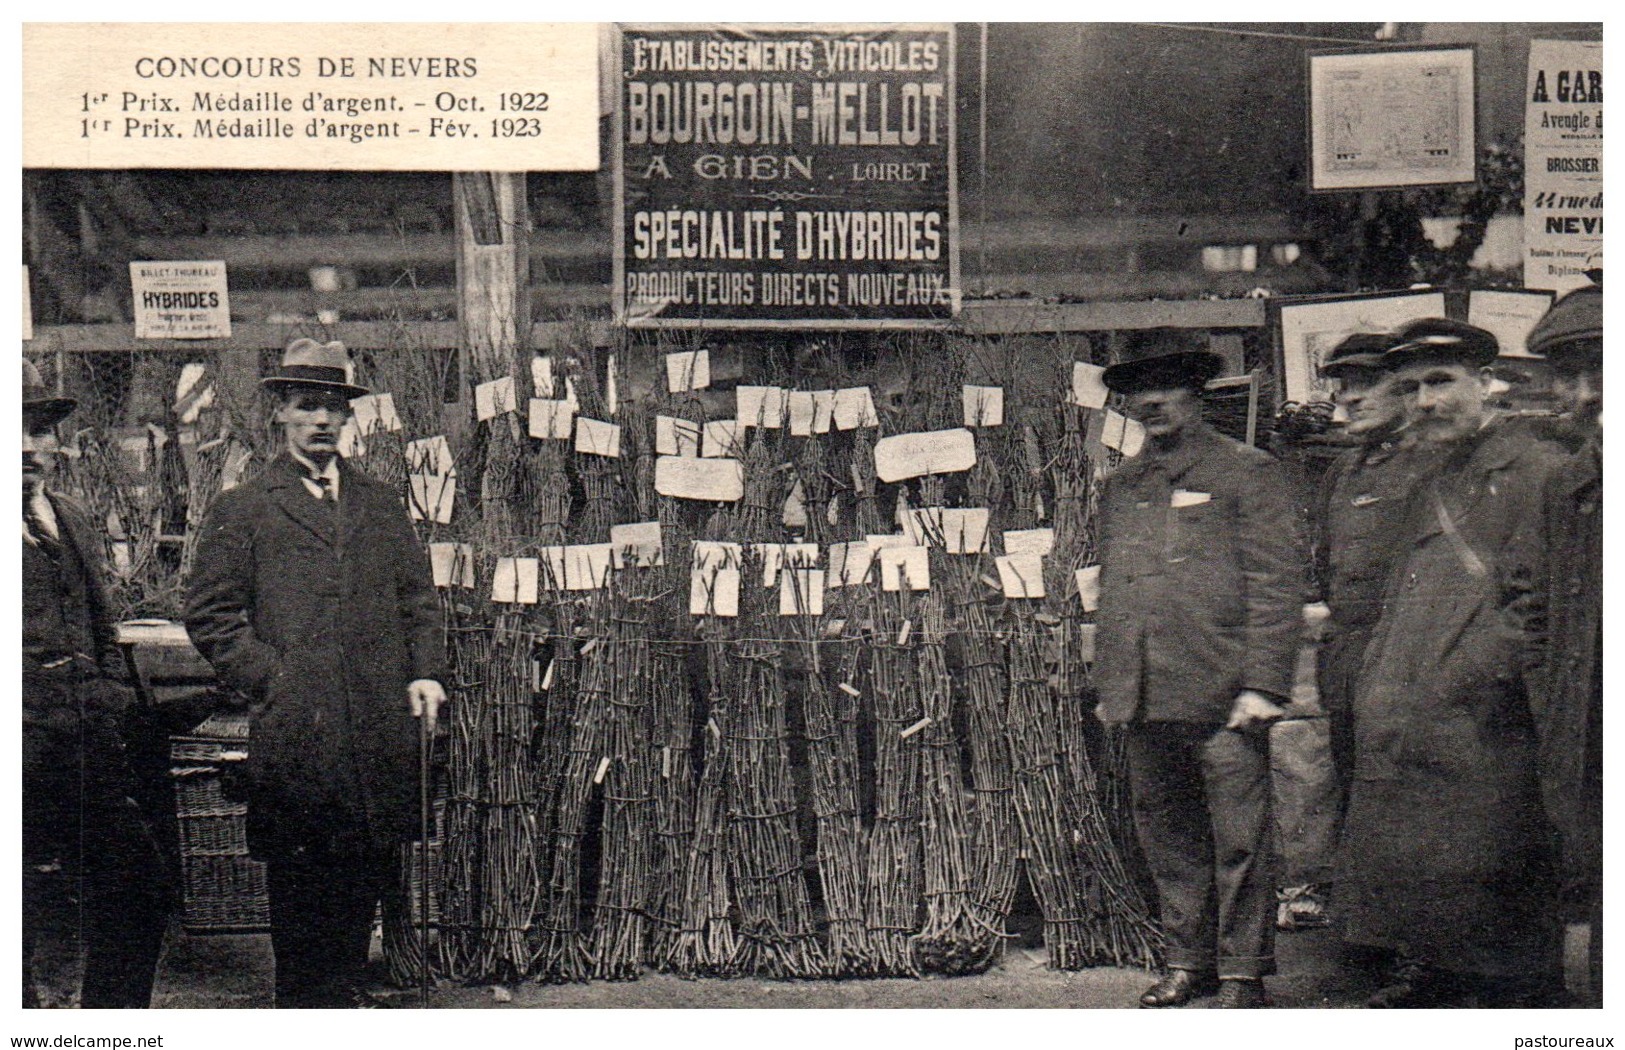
[1561, 615]
[312, 599]
[83, 835]
[1446, 853]
[1201, 595]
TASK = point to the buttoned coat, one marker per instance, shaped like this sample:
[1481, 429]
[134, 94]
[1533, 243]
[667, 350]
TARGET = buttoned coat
[1201, 582]
[1446, 854]
[318, 615]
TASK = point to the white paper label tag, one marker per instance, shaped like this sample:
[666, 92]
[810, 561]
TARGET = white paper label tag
[1089, 587]
[688, 370]
[824, 411]
[898, 564]
[716, 554]
[541, 376]
[714, 593]
[801, 592]
[849, 563]
[1186, 498]
[594, 437]
[494, 398]
[799, 408]
[515, 581]
[709, 480]
[957, 530]
[350, 444]
[1088, 389]
[374, 412]
[1021, 575]
[854, 407]
[775, 555]
[760, 406]
[984, 406]
[430, 455]
[1122, 433]
[675, 436]
[1029, 541]
[637, 544]
[724, 439]
[550, 419]
[432, 496]
[586, 566]
[927, 452]
[1086, 642]
[452, 564]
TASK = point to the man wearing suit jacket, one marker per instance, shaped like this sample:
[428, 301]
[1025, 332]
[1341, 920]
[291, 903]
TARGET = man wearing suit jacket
[1201, 595]
[312, 599]
[83, 835]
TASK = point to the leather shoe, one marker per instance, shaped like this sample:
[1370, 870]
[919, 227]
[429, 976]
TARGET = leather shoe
[1179, 988]
[1239, 994]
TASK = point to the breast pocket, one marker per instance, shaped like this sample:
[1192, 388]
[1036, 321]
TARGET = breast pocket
[1195, 529]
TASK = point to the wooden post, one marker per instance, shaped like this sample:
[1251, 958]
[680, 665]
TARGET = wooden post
[493, 283]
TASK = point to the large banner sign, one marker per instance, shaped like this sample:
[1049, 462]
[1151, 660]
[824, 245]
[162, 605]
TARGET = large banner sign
[785, 176]
[1562, 143]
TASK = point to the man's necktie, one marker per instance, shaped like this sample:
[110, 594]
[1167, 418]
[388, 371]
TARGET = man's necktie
[325, 485]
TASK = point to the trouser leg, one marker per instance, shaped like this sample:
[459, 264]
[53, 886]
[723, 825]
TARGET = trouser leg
[321, 926]
[1306, 799]
[1236, 777]
[128, 901]
[1170, 817]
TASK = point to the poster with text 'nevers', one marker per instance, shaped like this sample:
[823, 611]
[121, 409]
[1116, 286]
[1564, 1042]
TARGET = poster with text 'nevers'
[785, 176]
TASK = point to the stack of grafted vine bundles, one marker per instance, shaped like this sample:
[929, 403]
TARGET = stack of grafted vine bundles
[788, 681]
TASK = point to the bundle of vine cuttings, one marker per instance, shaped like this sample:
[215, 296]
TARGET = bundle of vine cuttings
[835, 680]
[625, 771]
[893, 884]
[950, 941]
[561, 949]
[706, 944]
[777, 935]
[491, 873]
[995, 835]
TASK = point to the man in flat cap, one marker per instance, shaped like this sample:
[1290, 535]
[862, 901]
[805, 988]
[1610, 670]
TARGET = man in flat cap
[1561, 614]
[83, 835]
[1201, 595]
[1446, 858]
[312, 599]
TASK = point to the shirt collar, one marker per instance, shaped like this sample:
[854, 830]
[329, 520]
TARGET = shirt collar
[309, 473]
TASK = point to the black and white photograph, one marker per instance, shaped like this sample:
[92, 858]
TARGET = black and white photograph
[742, 516]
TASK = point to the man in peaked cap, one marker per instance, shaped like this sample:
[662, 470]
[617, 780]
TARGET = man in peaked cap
[1561, 615]
[1361, 502]
[1446, 860]
[79, 820]
[312, 599]
[1201, 591]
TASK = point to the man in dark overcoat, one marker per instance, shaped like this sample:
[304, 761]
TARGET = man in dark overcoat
[1562, 614]
[1201, 597]
[1446, 854]
[312, 599]
[83, 835]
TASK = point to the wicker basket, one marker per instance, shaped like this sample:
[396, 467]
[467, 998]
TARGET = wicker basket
[224, 890]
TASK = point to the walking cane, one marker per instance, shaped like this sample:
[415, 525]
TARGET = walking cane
[425, 747]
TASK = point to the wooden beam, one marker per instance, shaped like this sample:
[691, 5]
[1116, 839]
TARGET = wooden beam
[357, 335]
[1016, 317]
